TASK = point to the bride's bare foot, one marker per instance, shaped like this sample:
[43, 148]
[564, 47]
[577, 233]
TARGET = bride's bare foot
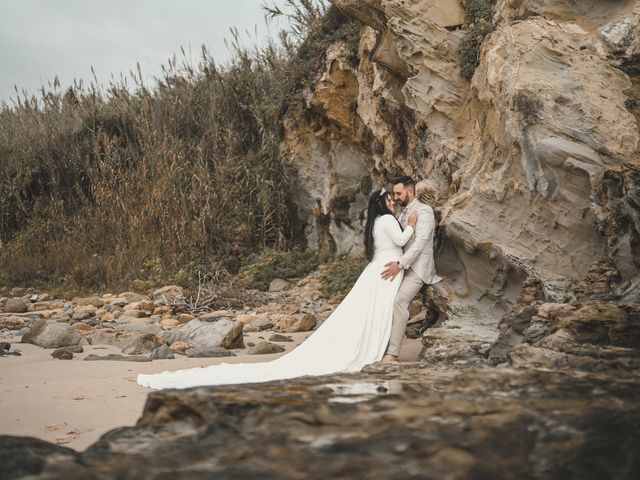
[389, 358]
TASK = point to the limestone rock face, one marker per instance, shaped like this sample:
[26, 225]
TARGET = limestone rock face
[535, 159]
[536, 163]
[622, 35]
[571, 335]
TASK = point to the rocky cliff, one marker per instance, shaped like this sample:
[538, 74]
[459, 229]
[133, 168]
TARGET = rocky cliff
[524, 114]
[535, 156]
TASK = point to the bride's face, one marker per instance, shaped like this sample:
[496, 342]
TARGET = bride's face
[390, 204]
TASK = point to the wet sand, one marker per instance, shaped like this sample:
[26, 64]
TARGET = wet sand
[73, 402]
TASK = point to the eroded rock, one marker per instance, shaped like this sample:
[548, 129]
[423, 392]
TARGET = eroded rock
[50, 334]
[14, 305]
[223, 333]
[550, 423]
[141, 344]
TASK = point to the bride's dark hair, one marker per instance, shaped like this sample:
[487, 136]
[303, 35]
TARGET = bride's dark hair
[377, 206]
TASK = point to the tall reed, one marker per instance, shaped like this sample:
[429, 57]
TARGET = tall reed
[103, 186]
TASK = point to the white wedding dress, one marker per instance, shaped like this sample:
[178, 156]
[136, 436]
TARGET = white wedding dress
[354, 335]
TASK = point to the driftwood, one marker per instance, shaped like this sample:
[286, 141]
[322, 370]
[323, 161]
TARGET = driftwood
[214, 294]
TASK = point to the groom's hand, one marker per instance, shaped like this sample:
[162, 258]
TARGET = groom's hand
[392, 269]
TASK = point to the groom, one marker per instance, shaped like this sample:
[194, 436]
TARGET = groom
[417, 261]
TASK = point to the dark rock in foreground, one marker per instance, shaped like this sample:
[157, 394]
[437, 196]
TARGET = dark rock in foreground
[23, 456]
[395, 421]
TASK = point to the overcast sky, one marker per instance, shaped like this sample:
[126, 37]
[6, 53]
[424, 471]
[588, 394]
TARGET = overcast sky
[40, 39]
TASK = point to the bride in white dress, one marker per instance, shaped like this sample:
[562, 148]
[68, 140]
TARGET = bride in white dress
[354, 335]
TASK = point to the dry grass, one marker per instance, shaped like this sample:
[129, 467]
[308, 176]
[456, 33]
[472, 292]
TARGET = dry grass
[105, 187]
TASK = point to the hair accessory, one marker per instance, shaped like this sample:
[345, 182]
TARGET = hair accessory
[382, 192]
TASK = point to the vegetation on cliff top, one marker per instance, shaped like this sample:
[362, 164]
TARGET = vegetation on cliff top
[101, 186]
[479, 15]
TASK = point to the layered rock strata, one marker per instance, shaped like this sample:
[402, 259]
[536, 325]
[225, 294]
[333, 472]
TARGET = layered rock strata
[535, 158]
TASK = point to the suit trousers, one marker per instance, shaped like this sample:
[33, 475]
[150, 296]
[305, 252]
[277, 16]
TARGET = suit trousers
[411, 284]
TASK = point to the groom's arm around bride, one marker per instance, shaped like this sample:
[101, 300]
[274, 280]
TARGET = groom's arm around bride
[417, 262]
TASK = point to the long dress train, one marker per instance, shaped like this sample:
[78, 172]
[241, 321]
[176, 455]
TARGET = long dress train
[354, 335]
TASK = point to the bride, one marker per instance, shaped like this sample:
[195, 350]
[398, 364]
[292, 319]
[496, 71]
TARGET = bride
[354, 335]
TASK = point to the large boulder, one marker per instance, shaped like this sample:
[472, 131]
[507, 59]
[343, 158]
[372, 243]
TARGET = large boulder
[261, 324]
[141, 344]
[104, 336]
[163, 352]
[15, 305]
[281, 321]
[303, 324]
[223, 333]
[50, 334]
[293, 323]
[23, 457]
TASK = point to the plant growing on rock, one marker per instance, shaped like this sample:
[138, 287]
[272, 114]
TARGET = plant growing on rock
[479, 14]
[260, 269]
[479, 10]
[528, 105]
[340, 275]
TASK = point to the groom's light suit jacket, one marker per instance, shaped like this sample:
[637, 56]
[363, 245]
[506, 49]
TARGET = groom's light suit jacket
[418, 252]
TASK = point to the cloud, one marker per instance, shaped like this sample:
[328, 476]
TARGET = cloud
[44, 38]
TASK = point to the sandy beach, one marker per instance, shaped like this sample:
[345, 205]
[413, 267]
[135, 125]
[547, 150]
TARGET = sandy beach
[73, 402]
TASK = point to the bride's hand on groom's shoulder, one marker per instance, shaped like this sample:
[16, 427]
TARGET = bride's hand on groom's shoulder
[413, 219]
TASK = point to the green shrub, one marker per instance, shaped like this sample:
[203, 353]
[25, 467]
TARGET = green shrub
[340, 275]
[527, 104]
[260, 269]
[479, 15]
[477, 10]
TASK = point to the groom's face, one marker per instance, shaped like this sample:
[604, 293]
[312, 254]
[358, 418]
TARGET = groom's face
[401, 194]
